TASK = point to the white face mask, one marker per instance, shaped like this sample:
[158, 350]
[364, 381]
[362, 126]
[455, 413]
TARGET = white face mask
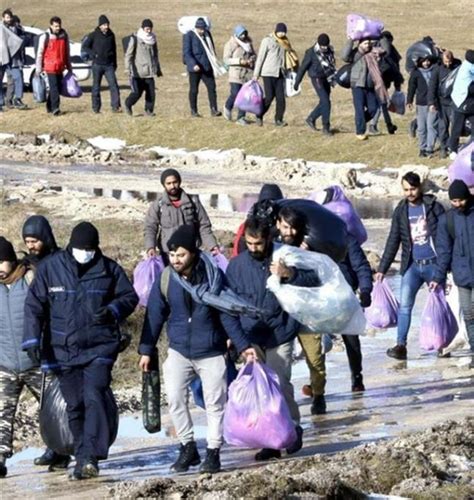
[83, 256]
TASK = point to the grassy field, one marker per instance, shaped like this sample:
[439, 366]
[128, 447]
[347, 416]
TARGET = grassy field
[447, 21]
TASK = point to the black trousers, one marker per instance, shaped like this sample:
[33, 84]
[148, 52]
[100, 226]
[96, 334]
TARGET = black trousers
[138, 86]
[52, 100]
[323, 108]
[274, 88]
[98, 72]
[210, 83]
[459, 119]
[354, 354]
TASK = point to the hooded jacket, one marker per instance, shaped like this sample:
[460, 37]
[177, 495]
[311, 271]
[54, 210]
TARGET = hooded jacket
[233, 53]
[38, 227]
[102, 48]
[355, 267]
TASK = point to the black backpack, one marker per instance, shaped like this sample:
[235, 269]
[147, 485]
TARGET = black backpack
[126, 42]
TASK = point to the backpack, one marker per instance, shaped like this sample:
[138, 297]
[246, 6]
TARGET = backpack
[447, 83]
[126, 42]
[85, 53]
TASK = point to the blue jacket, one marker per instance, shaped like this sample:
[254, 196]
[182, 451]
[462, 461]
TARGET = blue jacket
[456, 254]
[355, 267]
[194, 52]
[65, 301]
[248, 278]
[194, 330]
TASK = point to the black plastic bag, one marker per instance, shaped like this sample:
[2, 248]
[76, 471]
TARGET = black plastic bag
[151, 397]
[420, 50]
[343, 76]
[325, 232]
[53, 421]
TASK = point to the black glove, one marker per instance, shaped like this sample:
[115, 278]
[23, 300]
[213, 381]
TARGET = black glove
[365, 299]
[104, 316]
[34, 354]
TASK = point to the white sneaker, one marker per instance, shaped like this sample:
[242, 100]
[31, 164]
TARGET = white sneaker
[242, 121]
[228, 114]
[452, 155]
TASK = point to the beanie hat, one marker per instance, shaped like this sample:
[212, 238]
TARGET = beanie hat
[469, 56]
[147, 23]
[7, 253]
[458, 190]
[200, 23]
[270, 192]
[168, 173]
[239, 30]
[184, 236]
[281, 28]
[85, 236]
[103, 19]
[323, 40]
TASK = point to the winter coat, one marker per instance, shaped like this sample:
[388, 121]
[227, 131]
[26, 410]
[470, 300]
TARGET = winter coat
[141, 59]
[10, 44]
[456, 254]
[37, 226]
[400, 232]
[248, 278]
[68, 302]
[359, 71]
[233, 53]
[355, 267]
[270, 59]
[194, 330]
[312, 65]
[12, 314]
[440, 73]
[18, 59]
[418, 88]
[53, 53]
[102, 48]
[163, 219]
[194, 52]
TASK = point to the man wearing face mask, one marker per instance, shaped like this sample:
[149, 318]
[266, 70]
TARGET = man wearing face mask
[82, 295]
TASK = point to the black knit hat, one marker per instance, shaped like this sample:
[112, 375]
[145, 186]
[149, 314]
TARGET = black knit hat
[103, 19]
[323, 40]
[184, 236]
[270, 192]
[85, 237]
[469, 56]
[200, 23]
[458, 190]
[281, 28]
[7, 253]
[147, 23]
[168, 173]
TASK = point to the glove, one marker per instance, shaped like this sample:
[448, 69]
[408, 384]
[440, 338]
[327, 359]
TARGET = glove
[34, 354]
[296, 87]
[104, 316]
[365, 299]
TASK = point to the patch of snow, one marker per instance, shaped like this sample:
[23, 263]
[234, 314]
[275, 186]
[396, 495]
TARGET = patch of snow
[441, 171]
[44, 138]
[107, 143]
[4, 136]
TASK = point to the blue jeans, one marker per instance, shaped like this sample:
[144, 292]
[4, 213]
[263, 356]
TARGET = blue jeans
[99, 71]
[365, 106]
[323, 108]
[229, 104]
[412, 280]
[17, 77]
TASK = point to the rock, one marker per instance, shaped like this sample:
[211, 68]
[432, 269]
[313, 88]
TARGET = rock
[66, 151]
[153, 155]
[422, 170]
[24, 139]
[105, 156]
[349, 179]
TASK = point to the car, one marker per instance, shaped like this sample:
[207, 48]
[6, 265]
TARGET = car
[81, 69]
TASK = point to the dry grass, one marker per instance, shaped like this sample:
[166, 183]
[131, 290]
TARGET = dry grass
[447, 21]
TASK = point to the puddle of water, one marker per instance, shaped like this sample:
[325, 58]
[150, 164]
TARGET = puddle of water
[26, 455]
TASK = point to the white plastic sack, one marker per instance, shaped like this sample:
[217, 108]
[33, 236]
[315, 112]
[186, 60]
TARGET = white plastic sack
[329, 308]
[461, 340]
[187, 23]
[290, 79]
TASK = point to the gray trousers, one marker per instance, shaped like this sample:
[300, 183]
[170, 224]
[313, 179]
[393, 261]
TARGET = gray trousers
[466, 301]
[178, 373]
[427, 123]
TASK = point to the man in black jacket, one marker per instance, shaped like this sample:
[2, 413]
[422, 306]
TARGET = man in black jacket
[102, 49]
[320, 63]
[414, 224]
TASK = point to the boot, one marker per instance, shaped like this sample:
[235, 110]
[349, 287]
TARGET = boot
[215, 112]
[188, 455]
[90, 469]
[392, 129]
[397, 352]
[3, 467]
[53, 459]
[19, 104]
[267, 454]
[310, 124]
[76, 474]
[357, 383]
[212, 462]
[306, 390]
[298, 444]
[319, 405]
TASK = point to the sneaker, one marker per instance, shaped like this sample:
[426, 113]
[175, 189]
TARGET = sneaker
[90, 469]
[319, 405]
[298, 444]
[242, 121]
[327, 132]
[392, 129]
[228, 114]
[19, 104]
[280, 123]
[56, 112]
[373, 130]
[212, 462]
[397, 352]
[51, 458]
[128, 110]
[452, 155]
[3, 467]
[215, 112]
[267, 454]
[307, 391]
[117, 110]
[357, 383]
[310, 124]
[150, 113]
[188, 455]
[362, 137]
[195, 114]
[76, 473]
[259, 122]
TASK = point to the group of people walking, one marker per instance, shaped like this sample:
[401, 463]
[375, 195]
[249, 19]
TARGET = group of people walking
[61, 310]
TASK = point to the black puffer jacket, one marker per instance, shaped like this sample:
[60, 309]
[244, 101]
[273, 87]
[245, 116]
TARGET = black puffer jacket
[101, 47]
[440, 73]
[400, 232]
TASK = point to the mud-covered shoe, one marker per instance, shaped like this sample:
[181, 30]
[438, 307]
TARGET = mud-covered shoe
[76, 473]
[212, 462]
[298, 444]
[397, 352]
[319, 405]
[392, 129]
[188, 456]
[267, 454]
[358, 383]
[90, 469]
[3, 467]
[215, 112]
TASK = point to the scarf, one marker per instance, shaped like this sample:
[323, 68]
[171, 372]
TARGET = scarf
[148, 38]
[326, 60]
[246, 46]
[427, 73]
[218, 68]
[372, 61]
[16, 274]
[464, 78]
[291, 57]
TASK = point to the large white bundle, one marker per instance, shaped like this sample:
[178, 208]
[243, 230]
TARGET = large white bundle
[187, 23]
[330, 308]
[460, 341]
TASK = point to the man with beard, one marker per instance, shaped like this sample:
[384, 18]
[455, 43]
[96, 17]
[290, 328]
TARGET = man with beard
[275, 332]
[173, 209]
[414, 225]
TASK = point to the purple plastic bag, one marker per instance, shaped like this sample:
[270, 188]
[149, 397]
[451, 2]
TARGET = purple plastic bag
[383, 312]
[221, 261]
[463, 166]
[70, 87]
[256, 415]
[144, 276]
[359, 27]
[438, 323]
[250, 98]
